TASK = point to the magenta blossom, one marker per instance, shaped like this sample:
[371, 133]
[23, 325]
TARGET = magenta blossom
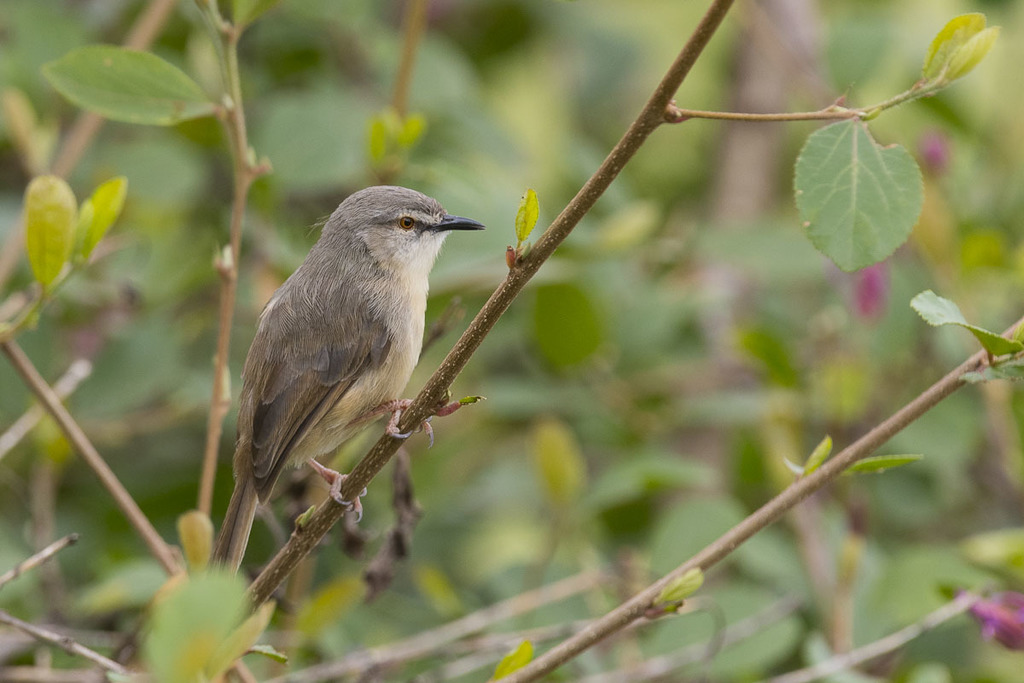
[1002, 618]
[871, 290]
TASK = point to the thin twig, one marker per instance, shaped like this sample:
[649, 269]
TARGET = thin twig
[651, 116]
[413, 24]
[657, 668]
[85, 127]
[160, 550]
[246, 170]
[66, 643]
[37, 559]
[430, 641]
[767, 514]
[63, 387]
[893, 641]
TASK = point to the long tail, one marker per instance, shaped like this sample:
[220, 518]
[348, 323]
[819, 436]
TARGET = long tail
[234, 533]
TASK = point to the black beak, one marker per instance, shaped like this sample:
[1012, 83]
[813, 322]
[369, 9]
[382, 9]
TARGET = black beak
[456, 223]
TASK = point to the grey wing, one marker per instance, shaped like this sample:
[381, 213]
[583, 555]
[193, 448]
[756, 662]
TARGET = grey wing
[304, 358]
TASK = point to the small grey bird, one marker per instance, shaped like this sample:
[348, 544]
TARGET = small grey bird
[335, 345]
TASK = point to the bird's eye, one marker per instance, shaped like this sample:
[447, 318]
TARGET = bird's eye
[406, 222]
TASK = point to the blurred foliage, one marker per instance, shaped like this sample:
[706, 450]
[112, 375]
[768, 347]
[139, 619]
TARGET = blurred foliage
[643, 393]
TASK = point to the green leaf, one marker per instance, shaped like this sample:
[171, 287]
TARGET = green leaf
[881, 463]
[98, 213]
[858, 200]
[559, 462]
[514, 660]
[240, 641]
[1012, 370]
[269, 652]
[959, 47]
[818, 455]
[50, 221]
[939, 311]
[245, 11]
[411, 130]
[682, 587]
[970, 55]
[127, 85]
[953, 35]
[377, 138]
[526, 217]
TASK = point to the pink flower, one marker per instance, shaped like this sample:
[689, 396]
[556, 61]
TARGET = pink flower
[1002, 618]
[871, 290]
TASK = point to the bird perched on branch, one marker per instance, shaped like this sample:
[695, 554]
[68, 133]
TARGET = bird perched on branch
[335, 345]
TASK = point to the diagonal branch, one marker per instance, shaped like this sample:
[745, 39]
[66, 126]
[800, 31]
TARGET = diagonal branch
[34, 561]
[767, 514]
[160, 550]
[650, 117]
[66, 643]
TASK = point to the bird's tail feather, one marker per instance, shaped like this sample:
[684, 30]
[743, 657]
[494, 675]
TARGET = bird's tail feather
[234, 532]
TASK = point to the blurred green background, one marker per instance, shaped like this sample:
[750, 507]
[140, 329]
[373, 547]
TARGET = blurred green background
[682, 343]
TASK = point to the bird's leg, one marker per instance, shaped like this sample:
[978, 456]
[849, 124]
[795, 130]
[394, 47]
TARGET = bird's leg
[335, 480]
[398, 406]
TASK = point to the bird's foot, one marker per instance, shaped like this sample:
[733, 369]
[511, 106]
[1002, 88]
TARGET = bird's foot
[335, 480]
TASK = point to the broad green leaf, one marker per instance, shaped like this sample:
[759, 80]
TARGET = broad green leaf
[567, 325]
[245, 11]
[1011, 370]
[50, 221]
[881, 463]
[241, 640]
[939, 311]
[514, 660]
[526, 217]
[128, 85]
[818, 455]
[190, 623]
[953, 35]
[970, 55]
[411, 130]
[99, 212]
[682, 587]
[195, 531]
[559, 462]
[858, 200]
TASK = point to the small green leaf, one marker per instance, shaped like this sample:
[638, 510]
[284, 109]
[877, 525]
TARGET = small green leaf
[411, 130]
[470, 400]
[1012, 370]
[526, 217]
[857, 199]
[50, 221]
[819, 455]
[128, 85]
[514, 660]
[682, 587]
[559, 462]
[939, 311]
[953, 35]
[881, 463]
[240, 641]
[269, 652]
[99, 212]
[970, 55]
[245, 11]
[377, 139]
[303, 519]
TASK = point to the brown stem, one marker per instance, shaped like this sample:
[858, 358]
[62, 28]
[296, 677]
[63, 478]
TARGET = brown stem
[85, 127]
[764, 516]
[246, 170]
[650, 117]
[160, 550]
[413, 25]
[39, 558]
[66, 643]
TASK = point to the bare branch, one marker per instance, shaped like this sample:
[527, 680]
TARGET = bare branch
[160, 550]
[37, 559]
[413, 24]
[38, 674]
[66, 643]
[891, 642]
[651, 116]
